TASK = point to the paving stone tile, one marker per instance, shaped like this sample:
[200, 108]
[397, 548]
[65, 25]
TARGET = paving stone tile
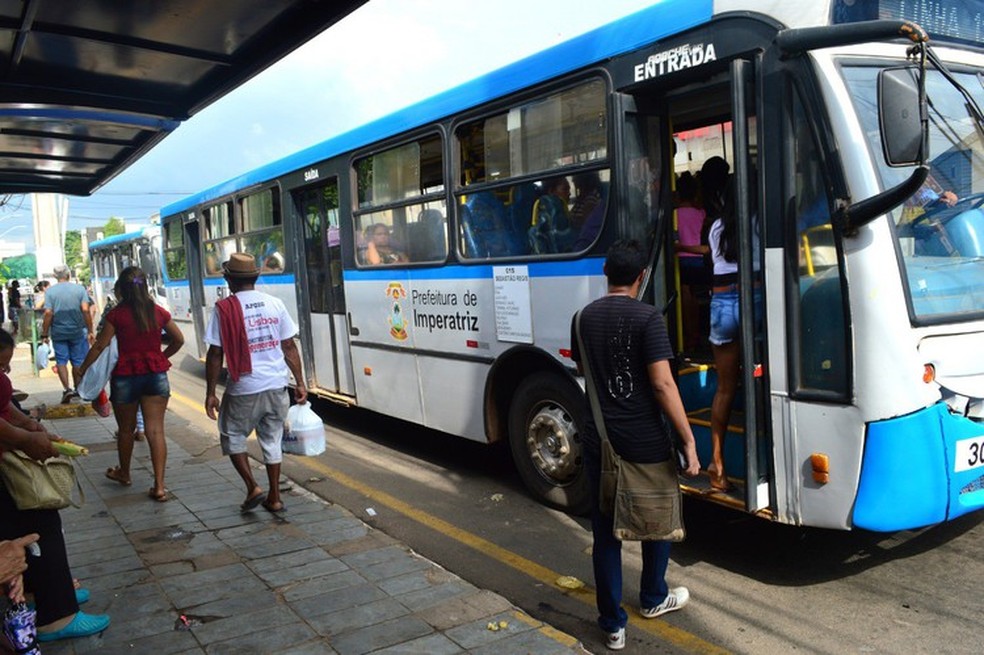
[162, 643]
[367, 557]
[414, 581]
[381, 635]
[335, 601]
[120, 564]
[172, 569]
[265, 620]
[112, 549]
[477, 634]
[326, 511]
[317, 647]
[371, 540]
[212, 584]
[230, 520]
[272, 640]
[110, 582]
[532, 641]
[436, 595]
[291, 574]
[337, 540]
[286, 560]
[231, 605]
[353, 618]
[325, 584]
[433, 644]
[465, 609]
[399, 565]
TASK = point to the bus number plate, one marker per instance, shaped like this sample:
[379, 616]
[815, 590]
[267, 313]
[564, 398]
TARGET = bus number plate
[970, 454]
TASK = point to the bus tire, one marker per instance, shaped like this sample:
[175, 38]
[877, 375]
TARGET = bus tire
[546, 420]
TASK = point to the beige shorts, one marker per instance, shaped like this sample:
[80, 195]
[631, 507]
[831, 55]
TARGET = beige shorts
[263, 412]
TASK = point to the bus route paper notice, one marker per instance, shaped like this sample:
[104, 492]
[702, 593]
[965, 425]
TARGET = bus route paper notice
[513, 318]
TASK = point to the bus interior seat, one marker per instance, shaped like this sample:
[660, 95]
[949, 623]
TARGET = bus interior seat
[427, 236]
[550, 229]
[486, 232]
[521, 200]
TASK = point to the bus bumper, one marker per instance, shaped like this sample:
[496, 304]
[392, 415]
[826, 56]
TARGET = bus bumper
[920, 469]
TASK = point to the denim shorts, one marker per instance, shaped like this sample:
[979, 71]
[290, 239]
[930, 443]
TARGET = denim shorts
[126, 389]
[725, 318]
[71, 351]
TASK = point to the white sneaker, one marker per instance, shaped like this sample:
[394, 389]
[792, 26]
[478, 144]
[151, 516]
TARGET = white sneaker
[677, 598]
[616, 640]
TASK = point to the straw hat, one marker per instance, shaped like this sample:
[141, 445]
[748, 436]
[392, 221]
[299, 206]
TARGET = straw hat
[240, 265]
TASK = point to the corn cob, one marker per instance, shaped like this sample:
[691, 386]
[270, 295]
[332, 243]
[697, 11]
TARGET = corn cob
[69, 449]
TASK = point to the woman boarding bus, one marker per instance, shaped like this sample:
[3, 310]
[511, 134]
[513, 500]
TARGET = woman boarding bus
[862, 306]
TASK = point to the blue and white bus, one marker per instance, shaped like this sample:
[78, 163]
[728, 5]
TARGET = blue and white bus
[109, 256]
[434, 258]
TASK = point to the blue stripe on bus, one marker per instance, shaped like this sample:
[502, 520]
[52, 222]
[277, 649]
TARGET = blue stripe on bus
[619, 37]
[576, 268]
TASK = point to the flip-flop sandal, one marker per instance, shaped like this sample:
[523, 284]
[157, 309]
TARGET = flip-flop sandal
[253, 502]
[159, 496]
[114, 474]
[278, 511]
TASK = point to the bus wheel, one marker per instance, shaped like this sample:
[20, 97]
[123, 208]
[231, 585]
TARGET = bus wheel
[545, 422]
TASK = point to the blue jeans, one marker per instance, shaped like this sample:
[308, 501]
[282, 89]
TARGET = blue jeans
[606, 556]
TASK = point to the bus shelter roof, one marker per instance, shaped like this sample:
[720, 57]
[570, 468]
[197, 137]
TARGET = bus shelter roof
[87, 88]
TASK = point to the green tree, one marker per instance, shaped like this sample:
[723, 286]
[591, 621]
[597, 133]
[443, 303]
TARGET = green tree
[73, 249]
[113, 226]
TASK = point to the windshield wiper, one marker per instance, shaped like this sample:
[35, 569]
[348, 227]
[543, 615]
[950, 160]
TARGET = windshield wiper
[972, 107]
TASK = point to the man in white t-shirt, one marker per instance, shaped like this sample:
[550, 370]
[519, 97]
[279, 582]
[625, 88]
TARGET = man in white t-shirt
[254, 333]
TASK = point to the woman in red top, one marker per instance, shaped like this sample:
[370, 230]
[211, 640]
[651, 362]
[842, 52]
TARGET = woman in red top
[140, 376]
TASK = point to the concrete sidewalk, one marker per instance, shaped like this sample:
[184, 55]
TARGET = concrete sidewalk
[195, 575]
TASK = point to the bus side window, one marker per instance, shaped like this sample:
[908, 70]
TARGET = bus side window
[822, 337]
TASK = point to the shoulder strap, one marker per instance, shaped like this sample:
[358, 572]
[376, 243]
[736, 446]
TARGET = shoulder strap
[589, 381]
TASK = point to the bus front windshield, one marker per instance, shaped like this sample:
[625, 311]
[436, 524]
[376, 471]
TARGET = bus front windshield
[940, 229]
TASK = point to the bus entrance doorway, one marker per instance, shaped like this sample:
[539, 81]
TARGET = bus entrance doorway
[700, 139]
[322, 307]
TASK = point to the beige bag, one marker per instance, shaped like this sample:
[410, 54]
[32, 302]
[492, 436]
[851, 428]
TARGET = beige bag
[39, 485]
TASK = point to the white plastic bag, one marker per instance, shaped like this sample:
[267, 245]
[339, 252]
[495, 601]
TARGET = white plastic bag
[304, 433]
[41, 356]
[97, 376]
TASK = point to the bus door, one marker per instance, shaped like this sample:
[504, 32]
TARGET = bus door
[320, 292]
[672, 129]
[196, 279]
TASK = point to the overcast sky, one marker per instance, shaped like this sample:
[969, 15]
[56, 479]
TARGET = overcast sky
[384, 56]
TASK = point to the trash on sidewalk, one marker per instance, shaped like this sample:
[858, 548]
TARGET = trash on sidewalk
[569, 582]
[370, 511]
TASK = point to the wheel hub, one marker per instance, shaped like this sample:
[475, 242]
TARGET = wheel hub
[552, 442]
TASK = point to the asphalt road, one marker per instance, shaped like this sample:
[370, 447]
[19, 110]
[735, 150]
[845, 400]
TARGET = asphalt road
[756, 587]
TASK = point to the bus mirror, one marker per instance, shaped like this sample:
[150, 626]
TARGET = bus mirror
[900, 116]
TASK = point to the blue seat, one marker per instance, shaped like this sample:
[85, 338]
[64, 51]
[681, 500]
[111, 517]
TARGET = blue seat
[428, 237]
[486, 229]
[550, 229]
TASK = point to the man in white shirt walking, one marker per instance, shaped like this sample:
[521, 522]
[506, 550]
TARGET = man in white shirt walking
[254, 333]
